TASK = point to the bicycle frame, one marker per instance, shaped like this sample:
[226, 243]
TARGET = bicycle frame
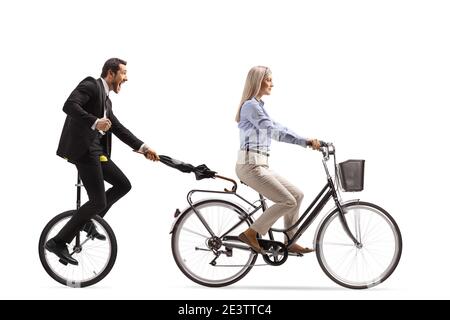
[328, 191]
[77, 237]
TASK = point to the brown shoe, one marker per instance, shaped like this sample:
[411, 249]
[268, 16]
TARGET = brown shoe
[252, 242]
[296, 248]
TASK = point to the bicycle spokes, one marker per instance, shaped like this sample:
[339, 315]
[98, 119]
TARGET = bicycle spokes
[95, 257]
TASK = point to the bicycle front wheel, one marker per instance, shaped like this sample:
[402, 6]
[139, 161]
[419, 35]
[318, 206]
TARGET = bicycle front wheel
[95, 257]
[206, 259]
[366, 265]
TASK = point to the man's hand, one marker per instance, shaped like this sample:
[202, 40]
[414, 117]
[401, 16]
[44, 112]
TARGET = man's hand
[103, 124]
[151, 154]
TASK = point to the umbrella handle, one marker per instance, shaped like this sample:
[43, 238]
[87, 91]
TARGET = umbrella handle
[228, 179]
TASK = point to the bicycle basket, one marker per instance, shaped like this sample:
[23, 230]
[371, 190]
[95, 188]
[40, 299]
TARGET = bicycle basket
[351, 173]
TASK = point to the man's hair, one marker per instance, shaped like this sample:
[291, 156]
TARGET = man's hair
[113, 65]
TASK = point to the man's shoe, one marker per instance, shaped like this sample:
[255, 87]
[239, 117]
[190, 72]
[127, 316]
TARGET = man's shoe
[60, 249]
[253, 243]
[92, 232]
[295, 248]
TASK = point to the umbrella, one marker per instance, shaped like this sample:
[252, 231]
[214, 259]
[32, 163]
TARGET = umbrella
[201, 171]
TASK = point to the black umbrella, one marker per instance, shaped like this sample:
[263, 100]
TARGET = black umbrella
[201, 171]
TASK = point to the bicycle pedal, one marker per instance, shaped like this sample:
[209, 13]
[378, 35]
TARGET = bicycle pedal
[267, 244]
[63, 261]
[295, 254]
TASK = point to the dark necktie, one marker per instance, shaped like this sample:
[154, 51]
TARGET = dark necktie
[108, 106]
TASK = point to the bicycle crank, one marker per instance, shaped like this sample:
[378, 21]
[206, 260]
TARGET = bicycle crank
[276, 253]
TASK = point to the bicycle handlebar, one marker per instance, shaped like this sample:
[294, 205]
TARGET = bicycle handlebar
[327, 149]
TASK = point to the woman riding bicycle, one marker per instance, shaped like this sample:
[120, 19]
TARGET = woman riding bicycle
[256, 131]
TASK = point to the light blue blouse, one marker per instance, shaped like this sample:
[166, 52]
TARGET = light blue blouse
[257, 128]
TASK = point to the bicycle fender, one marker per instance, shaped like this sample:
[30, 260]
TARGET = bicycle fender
[177, 216]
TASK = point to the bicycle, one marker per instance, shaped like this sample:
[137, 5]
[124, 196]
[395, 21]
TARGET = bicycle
[358, 244]
[95, 258]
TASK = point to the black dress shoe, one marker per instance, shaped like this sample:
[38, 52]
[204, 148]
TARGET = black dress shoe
[60, 249]
[92, 232]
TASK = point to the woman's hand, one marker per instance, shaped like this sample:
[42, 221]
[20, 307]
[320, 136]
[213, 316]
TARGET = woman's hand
[314, 144]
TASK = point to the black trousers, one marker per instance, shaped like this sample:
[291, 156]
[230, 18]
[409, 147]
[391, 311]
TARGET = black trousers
[93, 173]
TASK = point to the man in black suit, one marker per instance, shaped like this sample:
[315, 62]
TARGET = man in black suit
[86, 142]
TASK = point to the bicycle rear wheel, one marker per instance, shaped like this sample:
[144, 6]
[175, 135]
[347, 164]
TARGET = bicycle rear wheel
[207, 260]
[95, 258]
[365, 266]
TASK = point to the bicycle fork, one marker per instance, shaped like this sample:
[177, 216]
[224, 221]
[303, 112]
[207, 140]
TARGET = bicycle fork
[356, 240]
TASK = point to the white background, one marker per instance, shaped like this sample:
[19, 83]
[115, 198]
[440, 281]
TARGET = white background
[371, 76]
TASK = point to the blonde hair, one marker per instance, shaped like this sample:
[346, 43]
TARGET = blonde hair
[252, 85]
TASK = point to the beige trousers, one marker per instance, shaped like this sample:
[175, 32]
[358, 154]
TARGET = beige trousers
[253, 170]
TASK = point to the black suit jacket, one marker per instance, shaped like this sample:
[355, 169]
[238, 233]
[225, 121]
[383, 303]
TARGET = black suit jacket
[85, 104]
